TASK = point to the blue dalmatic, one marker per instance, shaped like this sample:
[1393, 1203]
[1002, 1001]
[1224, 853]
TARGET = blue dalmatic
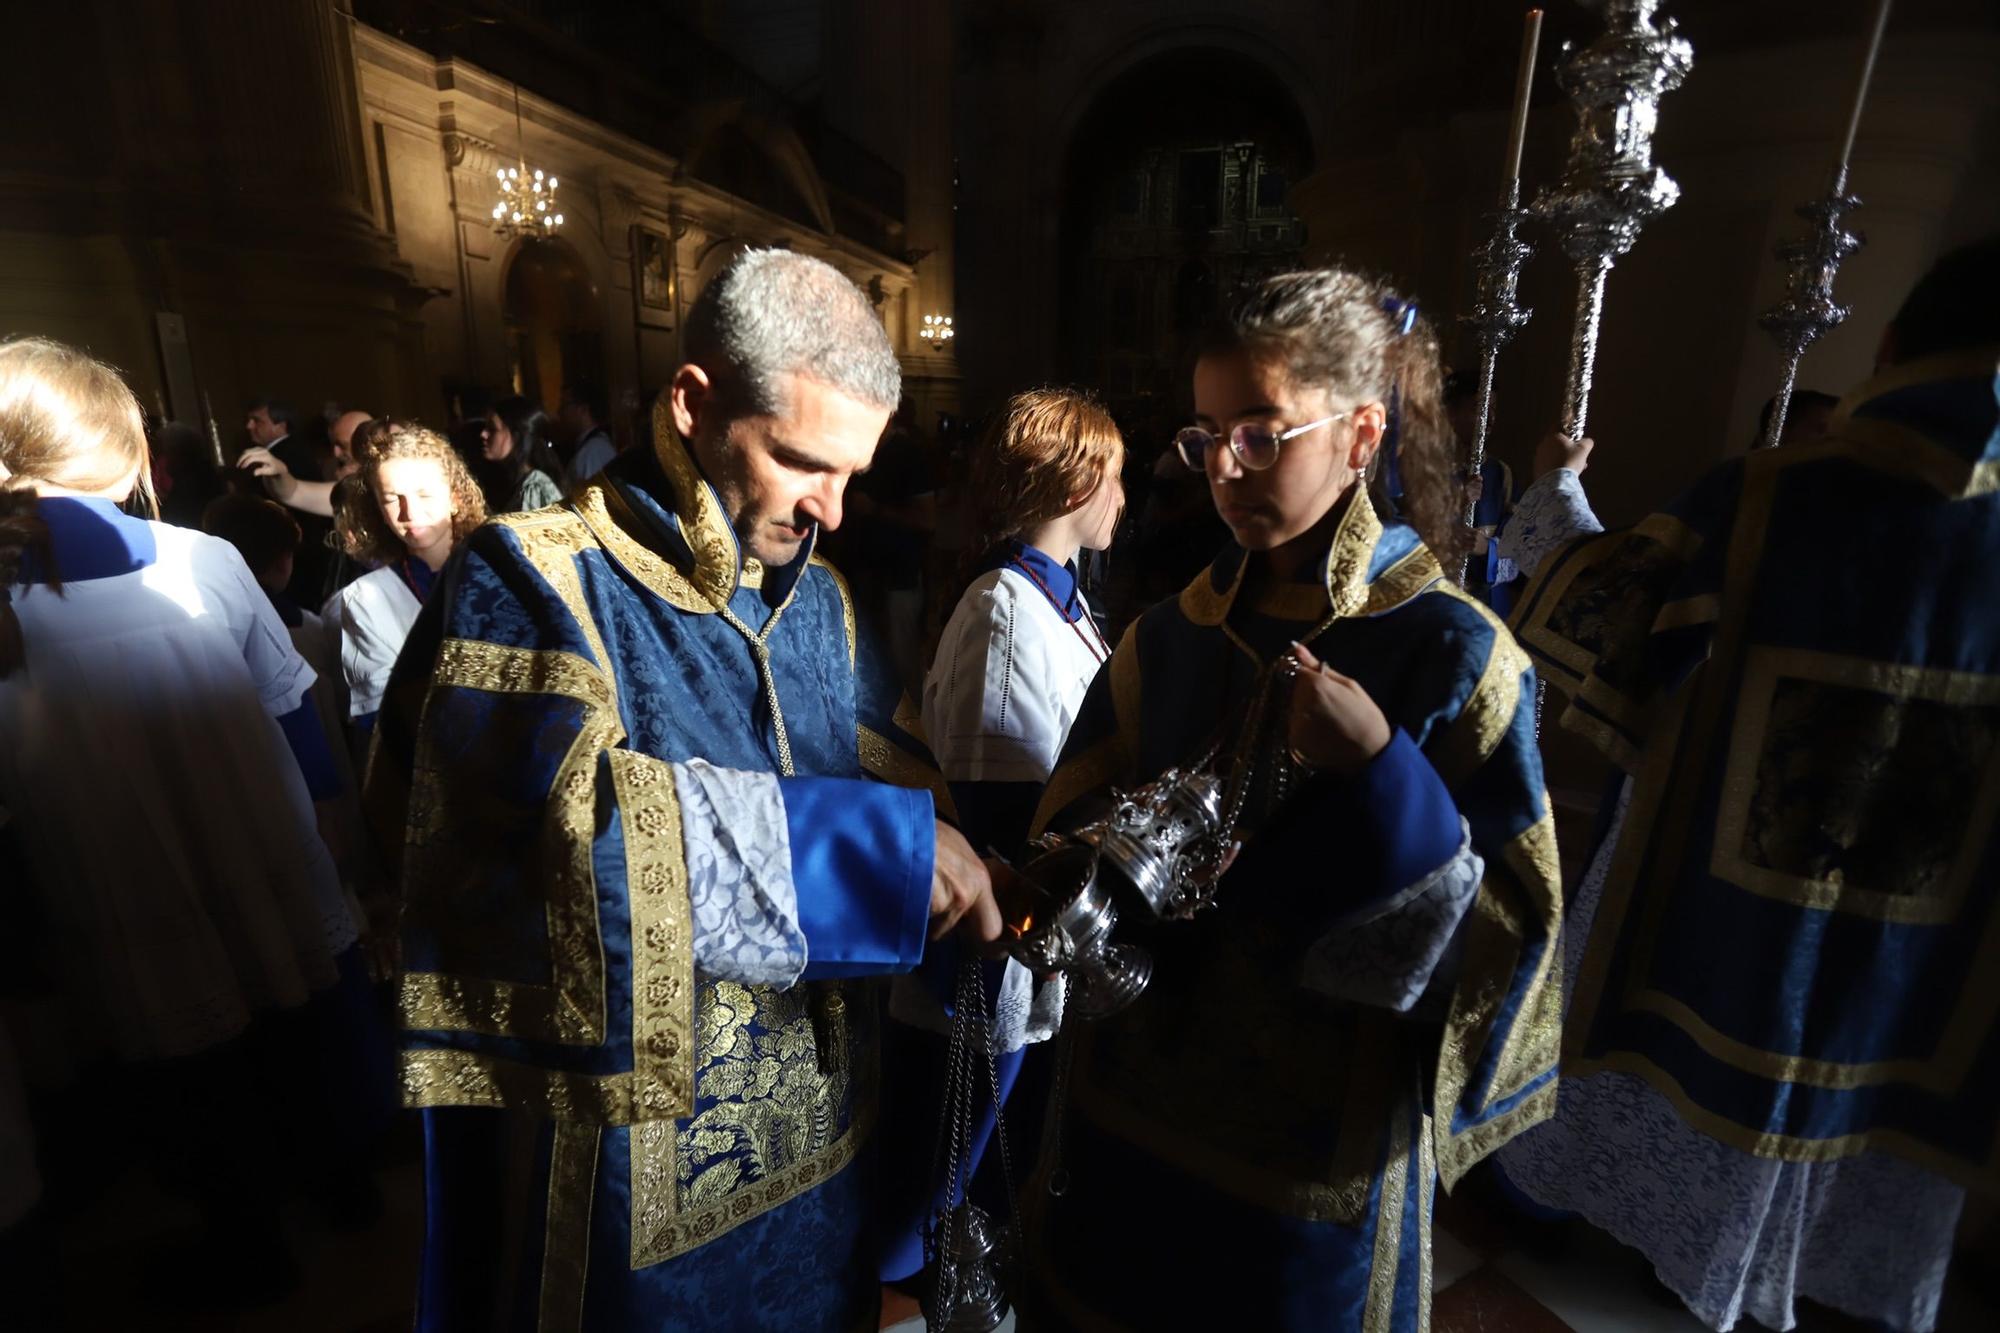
[615, 1138]
[1799, 665]
[1371, 1005]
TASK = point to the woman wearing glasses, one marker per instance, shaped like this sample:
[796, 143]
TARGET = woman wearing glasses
[1370, 1007]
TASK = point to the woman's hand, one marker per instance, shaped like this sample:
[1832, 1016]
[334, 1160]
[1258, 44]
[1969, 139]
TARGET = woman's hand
[1334, 725]
[1559, 450]
[278, 479]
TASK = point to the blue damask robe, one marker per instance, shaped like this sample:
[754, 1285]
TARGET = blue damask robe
[1370, 1006]
[1799, 665]
[599, 933]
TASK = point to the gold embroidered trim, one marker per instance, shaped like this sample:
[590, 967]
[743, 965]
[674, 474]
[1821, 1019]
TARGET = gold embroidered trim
[1971, 1173]
[611, 520]
[1702, 609]
[570, 1009]
[478, 665]
[1353, 546]
[1564, 663]
[1379, 1314]
[1126, 689]
[772, 1095]
[847, 615]
[566, 1243]
[663, 1046]
[1459, 1153]
[888, 762]
[908, 720]
[1533, 1045]
[1415, 572]
[1901, 450]
[1203, 605]
[1097, 767]
[703, 524]
[1470, 739]
[1762, 673]
[1528, 877]
[1426, 1186]
[441, 1077]
[551, 539]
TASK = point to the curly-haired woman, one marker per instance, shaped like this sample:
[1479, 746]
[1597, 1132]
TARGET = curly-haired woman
[407, 509]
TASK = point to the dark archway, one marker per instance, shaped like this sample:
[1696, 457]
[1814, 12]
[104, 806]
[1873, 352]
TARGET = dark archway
[555, 321]
[1174, 190]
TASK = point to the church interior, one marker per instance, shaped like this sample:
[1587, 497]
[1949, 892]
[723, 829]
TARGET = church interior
[427, 210]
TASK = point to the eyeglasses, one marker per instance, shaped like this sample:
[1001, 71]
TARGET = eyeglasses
[1256, 446]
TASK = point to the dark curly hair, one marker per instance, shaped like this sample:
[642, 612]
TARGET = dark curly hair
[1330, 328]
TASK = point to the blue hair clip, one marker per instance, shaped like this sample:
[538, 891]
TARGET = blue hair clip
[1402, 314]
[1403, 318]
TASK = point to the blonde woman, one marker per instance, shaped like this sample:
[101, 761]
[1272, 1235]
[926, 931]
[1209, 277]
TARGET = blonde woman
[148, 692]
[406, 509]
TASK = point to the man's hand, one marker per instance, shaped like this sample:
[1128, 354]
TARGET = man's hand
[278, 479]
[961, 890]
[1334, 725]
[1559, 450]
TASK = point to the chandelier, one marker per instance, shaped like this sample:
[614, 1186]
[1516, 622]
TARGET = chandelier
[527, 204]
[937, 330]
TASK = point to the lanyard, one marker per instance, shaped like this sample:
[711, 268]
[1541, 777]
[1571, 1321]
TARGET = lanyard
[1099, 649]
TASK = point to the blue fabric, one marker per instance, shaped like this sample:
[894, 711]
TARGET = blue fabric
[1806, 873]
[687, 686]
[1129, 1218]
[1224, 1083]
[1405, 806]
[308, 741]
[88, 539]
[419, 576]
[861, 860]
[1058, 582]
[913, 1184]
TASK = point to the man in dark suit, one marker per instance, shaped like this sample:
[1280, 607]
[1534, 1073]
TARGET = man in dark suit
[269, 424]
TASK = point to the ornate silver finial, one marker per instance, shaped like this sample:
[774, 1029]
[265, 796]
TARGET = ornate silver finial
[1809, 312]
[1611, 188]
[1498, 314]
[1496, 317]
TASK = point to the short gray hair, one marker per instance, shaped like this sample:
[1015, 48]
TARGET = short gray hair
[773, 313]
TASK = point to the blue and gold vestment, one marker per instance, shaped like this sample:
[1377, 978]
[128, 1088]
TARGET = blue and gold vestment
[679, 1149]
[1799, 664]
[1243, 1150]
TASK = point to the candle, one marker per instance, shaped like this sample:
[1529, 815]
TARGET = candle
[214, 435]
[1861, 93]
[1524, 82]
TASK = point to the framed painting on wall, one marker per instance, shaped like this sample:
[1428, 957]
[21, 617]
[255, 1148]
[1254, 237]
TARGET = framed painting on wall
[653, 276]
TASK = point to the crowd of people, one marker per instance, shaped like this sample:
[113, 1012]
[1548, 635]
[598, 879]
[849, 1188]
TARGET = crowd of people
[576, 784]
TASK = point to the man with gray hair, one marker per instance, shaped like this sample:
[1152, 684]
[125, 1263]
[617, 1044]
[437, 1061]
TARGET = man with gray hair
[654, 806]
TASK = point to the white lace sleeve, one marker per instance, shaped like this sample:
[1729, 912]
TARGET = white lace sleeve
[739, 863]
[1026, 1010]
[1551, 513]
[1385, 959]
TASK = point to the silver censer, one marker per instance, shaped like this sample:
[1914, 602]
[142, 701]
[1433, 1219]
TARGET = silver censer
[1161, 850]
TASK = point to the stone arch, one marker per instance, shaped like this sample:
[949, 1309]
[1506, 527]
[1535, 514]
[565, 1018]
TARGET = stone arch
[752, 153]
[553, 311]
